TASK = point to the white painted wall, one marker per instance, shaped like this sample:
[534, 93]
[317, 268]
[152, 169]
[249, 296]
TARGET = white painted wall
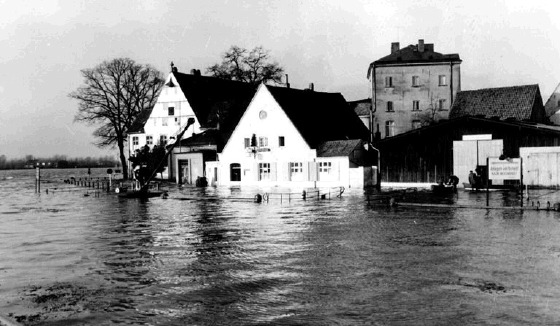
[155, 126]
[295, 150]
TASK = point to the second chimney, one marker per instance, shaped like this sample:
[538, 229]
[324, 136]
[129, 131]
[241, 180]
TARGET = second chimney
[420, 45]
[394, 47]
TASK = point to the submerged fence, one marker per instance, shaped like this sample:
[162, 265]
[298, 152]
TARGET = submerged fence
[307, 194]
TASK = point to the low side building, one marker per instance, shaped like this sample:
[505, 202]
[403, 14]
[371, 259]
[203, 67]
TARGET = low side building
[430, 153]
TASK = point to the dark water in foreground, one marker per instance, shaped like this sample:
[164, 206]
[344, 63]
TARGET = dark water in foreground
[71, 259]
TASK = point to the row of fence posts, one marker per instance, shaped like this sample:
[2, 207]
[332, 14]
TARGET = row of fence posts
[96, 183]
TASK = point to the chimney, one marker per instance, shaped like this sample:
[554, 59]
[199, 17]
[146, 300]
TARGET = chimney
[311, 87]
[195, 72]
[420, 45]
[173, 68]
[394, 47]
[287, 82]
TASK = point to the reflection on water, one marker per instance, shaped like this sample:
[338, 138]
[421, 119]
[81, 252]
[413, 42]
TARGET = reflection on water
[217, 260]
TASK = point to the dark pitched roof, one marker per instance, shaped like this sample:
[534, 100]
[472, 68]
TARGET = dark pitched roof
[361, 107]
[137, 125]
[410, 54]
[216, 100]
[319, 116]
[207, 138]
[337, 147]
[516, 102]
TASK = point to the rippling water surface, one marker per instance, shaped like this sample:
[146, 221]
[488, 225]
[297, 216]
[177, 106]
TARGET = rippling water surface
[205, 257]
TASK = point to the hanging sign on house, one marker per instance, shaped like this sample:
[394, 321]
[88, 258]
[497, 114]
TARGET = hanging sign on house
[508, 169]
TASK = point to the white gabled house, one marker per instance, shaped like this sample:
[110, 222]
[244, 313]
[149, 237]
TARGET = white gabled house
[297, 139]
[212, 102]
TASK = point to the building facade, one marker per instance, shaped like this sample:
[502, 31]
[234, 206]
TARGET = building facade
[297, 139]
[412, 87]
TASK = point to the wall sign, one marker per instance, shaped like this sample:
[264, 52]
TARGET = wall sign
[509, 169]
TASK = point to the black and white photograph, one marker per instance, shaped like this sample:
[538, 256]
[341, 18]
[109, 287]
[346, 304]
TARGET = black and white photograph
[279, 162]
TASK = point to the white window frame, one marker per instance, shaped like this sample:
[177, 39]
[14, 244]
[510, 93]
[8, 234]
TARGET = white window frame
[442, 80]
[263, 141]
[415, 81]
[149, 140]
[441, 104]
[264, 171]
[415, 105]
[163, 139]
[389, 128]
[325, 167]
[135, 140]
[390, 106]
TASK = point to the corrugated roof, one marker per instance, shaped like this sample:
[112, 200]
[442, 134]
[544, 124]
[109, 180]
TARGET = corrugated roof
[319, 116]
[515, 102]
[361, 107]
[337, 147]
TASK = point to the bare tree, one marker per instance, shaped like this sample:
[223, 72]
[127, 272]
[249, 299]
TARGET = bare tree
[431, 114]
[247, 66]
[113, 94]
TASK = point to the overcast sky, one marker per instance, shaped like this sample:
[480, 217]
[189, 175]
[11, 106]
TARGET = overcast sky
[45, 43]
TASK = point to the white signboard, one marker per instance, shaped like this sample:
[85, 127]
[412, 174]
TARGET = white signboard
[477, 137]
[509, 169]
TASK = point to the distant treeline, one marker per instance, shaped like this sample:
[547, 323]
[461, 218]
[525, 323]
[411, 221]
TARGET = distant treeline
[56, 162]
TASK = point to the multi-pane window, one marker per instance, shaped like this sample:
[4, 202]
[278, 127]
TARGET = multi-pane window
[164, 121]
[415, 105]
[325, 167]
[263, 141]
[247, 142]
[135, 140]
[171, 110]
[442, 80]
[389, 128]
[177, 121]
[264, 171]
[149, 140]
[281, 141]
[163, 139]
[390, 106]
[296, 167]
[415, 81]
[441, 104]
[388, 81]
[416, 124]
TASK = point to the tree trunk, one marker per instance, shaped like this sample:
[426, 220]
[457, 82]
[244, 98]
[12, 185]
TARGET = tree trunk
[124, 163]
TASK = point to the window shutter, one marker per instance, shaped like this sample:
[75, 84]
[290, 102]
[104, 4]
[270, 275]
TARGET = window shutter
[273, 176]
[313, 171]
[305, 169]
[256, 171]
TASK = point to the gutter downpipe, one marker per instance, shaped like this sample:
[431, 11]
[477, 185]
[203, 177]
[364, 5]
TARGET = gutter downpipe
[451, 83]
[371, 112]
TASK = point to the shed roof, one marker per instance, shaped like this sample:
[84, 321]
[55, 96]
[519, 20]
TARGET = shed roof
[337, 147]
[515, 102]
[319, 116]
[361, 107]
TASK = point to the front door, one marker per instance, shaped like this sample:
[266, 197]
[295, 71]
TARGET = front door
[184, 172]
[235, 172]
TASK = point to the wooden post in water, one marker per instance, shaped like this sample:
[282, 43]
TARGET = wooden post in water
[521, 177]
[487, 182]
[38, 180]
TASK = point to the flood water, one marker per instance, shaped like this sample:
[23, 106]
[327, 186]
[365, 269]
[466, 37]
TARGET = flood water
[207, 257]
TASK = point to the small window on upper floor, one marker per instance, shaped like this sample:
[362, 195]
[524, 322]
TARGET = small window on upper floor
[415, 81]
[247, 142]
[415, 105]
[389, 128]
[149, 140]
[442, 80]
[281, 141]
[171, 110]
[163, 139]
[263, 141]
[441, 105]
[388, 81]
[390, 107]
[135, 140]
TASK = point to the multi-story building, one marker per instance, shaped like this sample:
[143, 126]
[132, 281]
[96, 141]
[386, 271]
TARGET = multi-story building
[412, 87]
[552, 106]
